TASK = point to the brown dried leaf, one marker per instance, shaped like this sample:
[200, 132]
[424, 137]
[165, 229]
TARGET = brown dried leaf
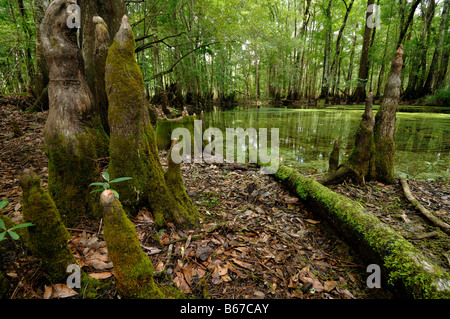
[242, 264]
[181, 283]
[329, 285]
[101, 275]
[63, 291]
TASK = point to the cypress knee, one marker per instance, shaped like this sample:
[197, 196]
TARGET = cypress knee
[132, 267]
[133, 150]
[48, 238]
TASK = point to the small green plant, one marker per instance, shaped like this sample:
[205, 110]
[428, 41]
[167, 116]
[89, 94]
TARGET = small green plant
[106, 185]
[10, 231]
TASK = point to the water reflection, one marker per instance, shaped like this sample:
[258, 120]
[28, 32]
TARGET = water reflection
[307, 135]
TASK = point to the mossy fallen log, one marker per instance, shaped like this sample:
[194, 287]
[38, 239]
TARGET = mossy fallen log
[405, 269]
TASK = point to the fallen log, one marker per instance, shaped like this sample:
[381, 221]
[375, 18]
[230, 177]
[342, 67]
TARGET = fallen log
[429, 215]
[404, 268]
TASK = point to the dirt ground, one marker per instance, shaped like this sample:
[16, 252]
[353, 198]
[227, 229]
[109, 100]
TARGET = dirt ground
[255, 241]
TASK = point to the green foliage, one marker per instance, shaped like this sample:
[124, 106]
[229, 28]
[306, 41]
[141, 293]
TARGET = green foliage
[106, 185]
[10, 231]
[441, 98]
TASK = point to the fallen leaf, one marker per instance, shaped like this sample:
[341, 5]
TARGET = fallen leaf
[259, 294]
[215, 277]
[63, 291]
[48, 290]
[223, 270]
[329, 285]
[203, 252]
[242, 264]
[100, 275]
[181, 283]
[151, 250]
[311, 221]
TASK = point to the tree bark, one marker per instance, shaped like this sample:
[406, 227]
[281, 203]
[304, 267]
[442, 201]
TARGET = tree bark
[385, 122]
[41, 78]
[101, 46]
[73, 133]
[111, 11]
[359, 164]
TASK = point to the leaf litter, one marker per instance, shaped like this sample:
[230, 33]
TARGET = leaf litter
[255, 239]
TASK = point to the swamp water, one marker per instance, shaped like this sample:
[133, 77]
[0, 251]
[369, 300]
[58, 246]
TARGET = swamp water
[307, 135]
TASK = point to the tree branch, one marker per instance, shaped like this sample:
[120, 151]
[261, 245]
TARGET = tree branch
[148, 45]
[171, 69]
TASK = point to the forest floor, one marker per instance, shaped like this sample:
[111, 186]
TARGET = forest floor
[255, 240]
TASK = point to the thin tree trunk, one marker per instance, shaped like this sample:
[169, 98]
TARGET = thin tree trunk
[338, 46]
[363, 74]
[430, 83]
[327, 53]
[41, 78]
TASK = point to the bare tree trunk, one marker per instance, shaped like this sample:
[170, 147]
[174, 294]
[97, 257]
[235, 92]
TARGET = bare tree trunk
[338, 47]
[363, 74]
[74, 136]
[111, 11]
[374, 151]
[326, 61]
[41, 78]
[431, 83]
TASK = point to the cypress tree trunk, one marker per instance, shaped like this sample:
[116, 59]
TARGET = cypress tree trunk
[133, 151]
[111, 11]
[41, 78]
[73, 134]
[373, 156]
[385, 122]
[358, 165]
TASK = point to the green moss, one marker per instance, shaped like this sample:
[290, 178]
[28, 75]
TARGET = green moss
[132, 267]
[406, 266]
[48, 238]
[72, 167]
[175, 183]
[384, 160]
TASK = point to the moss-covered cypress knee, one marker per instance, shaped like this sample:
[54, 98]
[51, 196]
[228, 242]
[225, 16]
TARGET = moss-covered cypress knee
[334, 158]
[48, 238]
[175, 183]
[132, 267]
[133, 150]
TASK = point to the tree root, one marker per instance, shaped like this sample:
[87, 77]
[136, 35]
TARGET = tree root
[429, 215]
